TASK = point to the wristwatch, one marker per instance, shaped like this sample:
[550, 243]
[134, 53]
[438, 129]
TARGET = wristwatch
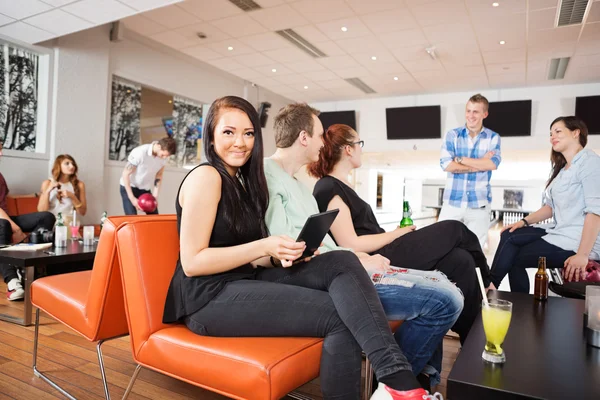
[459, 160]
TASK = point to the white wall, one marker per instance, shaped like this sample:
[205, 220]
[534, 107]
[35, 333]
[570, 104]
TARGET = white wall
[547, 104]
[83, 64]
[81, 98]
[525, 160]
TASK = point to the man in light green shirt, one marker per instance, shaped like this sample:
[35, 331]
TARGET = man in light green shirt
[429, 305]
[290, 201]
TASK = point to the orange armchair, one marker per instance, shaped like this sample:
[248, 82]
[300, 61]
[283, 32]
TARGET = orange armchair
[89, 302]
[241, 368]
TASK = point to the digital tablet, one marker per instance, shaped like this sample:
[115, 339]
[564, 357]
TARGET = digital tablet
[314, 231]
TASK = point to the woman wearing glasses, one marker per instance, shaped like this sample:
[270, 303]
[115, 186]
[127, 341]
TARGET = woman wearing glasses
[448, 246]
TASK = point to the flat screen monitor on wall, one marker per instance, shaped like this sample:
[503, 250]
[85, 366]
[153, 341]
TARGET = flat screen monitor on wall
[414, 122]
[329, 118]
[588, 109]
[509, 118]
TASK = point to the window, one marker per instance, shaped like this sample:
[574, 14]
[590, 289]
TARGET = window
[19, 95]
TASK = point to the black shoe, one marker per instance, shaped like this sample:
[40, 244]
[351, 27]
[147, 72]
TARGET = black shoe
[424, 382]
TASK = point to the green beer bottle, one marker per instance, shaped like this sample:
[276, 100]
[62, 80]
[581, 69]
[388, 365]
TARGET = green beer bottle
[406, 220]
[104, 218]
[59, 220]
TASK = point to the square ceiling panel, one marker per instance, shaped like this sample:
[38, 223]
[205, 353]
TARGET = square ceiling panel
[99, 11]
[239, 26]
[172, 17]
[265, 41]
[390, 21]
[143, 26]
[19, 9]
[58, 22]
[210, 10]
[353, 28]
[317, 11]
[25, 33]
[278, 18]
[194, 31]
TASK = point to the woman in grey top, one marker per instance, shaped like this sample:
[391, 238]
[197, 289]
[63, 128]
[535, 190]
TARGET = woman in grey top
[572, 198]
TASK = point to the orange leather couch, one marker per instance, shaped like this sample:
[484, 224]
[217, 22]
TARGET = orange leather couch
[19, 205]
[89, 302]
[241, 368]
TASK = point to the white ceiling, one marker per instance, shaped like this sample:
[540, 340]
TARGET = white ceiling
[34, 21]
[466, 35]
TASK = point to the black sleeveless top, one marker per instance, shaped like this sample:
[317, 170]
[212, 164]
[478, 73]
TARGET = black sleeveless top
[186, 294]
[363, 219]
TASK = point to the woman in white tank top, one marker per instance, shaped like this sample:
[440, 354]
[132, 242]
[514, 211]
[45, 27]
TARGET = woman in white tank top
[63, 192]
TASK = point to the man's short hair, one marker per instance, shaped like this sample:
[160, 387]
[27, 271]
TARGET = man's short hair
[479, 98]
[291, 120]
[169, 144]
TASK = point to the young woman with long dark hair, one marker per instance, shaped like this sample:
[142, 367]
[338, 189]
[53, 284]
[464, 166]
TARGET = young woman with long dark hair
[448, 246]
[223, 286]
[572, 199]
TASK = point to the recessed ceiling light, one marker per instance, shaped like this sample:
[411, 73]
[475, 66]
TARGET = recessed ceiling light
[305, 87]
[502, 42]
[373, 58]
[230, 48]
[273, 70]
[395, 78]
[344, 29]
[495, 4]
[170, 101]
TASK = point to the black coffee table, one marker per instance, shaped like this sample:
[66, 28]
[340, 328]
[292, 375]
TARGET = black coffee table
[546, 356]
[75, 251]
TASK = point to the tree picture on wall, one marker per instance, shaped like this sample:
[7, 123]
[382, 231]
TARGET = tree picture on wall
[18, 98]
[124, 119]
[187, 130]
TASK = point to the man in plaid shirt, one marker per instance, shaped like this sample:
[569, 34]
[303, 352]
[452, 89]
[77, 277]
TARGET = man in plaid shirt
[469, 155]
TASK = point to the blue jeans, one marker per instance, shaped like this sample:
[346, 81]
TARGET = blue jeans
[429, 308]
[129, 208]
[520, 250]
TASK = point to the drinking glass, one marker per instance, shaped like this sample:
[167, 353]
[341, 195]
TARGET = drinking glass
[74, 231]
[88, 235]
[496, 320]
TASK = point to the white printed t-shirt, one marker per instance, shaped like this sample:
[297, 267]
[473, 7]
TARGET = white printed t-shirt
[147, 166]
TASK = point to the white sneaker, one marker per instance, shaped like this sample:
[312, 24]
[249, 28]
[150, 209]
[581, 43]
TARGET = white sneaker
[383, 392]
[15, 290]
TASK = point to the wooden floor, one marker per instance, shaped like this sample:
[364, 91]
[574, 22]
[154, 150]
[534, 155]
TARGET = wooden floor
[71, 360]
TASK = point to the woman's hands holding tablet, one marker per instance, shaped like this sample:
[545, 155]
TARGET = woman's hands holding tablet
[283, 250]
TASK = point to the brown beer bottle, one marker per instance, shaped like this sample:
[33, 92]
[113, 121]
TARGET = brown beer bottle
[541, 281]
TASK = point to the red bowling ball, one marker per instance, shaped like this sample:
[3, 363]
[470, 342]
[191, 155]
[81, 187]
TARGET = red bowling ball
[147, 202]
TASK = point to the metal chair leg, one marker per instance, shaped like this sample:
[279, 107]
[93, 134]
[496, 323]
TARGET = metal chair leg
[36, 372]
[102, 372]
[132, 381]
[299, 396]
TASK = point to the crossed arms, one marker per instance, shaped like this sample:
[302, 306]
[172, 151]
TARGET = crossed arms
[448, 158]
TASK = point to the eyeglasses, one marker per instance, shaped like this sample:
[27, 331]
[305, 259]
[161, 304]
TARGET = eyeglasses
[361, 143]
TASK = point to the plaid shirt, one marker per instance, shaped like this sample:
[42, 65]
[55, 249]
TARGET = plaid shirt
[471, 189]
